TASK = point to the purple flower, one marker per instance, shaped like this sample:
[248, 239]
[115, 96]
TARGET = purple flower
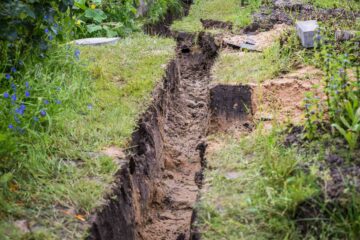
[77, 54]
[46, 17]
[46, 102]
[7, 76]
[51, 38]
[13, 69]
[6, 95]
[46, 30]
[43, 113]
[13, 97]
[27, 94]
[58, 102]
[11, 126]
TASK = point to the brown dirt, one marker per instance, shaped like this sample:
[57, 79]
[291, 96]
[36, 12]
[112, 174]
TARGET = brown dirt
[282, 99]
[211, 24]
[157, 187]
[186, 125]
[262, 40]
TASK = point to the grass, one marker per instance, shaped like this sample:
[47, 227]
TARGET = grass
[346, 4]
[243, 68]
[253, 189]
[57, 177]
[229, 10]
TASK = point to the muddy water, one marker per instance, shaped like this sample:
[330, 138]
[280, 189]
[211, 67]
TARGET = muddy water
[156, 189]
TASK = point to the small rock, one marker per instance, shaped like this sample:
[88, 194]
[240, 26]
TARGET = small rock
[232, 175]
[23, 225]
[341, 35]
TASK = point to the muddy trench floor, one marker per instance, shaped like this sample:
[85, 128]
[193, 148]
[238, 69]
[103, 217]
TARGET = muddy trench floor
[185, 128]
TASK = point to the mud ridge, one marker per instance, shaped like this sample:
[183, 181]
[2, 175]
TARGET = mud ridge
[156, 189]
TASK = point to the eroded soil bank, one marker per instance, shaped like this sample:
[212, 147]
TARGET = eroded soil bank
[156, 189]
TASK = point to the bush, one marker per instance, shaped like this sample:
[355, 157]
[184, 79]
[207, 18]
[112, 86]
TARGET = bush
[109, 18]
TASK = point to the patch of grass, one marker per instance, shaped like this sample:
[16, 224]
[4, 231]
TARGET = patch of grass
[243, 68]
[58, 177]
[254, 189]
[229, 10]
[346, 4]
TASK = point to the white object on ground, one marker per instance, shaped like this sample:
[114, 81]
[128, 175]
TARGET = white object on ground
[306, 30]
[96, 41]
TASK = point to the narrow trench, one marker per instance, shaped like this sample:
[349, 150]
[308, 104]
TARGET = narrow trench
[155, 192]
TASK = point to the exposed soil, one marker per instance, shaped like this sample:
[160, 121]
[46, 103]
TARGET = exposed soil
[282, 99]
[158, 186]
[211, 24]
[261, 40]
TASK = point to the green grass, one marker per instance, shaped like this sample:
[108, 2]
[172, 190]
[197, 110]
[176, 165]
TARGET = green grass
[243, 68]
[254, 187]
[57, 172]
[229, 10]
[260, 202]
[346, 4]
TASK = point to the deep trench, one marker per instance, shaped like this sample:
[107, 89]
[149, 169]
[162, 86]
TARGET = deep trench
[156, 190]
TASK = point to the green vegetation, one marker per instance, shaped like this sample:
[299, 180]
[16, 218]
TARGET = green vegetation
[229, 10]
[242, 68]
[57, 175]
[259, 189]
[346, 4]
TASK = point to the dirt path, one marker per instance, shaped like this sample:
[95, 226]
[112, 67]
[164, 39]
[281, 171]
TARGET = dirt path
[186, 124]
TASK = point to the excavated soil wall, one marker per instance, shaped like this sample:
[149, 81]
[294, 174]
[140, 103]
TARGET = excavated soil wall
[231, 104]
[156, 189]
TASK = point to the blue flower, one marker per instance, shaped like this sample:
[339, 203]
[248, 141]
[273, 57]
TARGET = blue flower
[21, 109]
[27, 85]
[43, 113]
[27, 94]
[11, 126]
[17, 120]
[7, 76]
[58, 102]
[55, 25]
[13, 97]
[13, 69]
[51, 37]
[13, 86]
[46, 17]
[46, 30]
[6, 95]
[46, 102]
[36, 119]
[77, 54]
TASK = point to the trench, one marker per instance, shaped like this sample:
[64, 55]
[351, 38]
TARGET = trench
[156, 189]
